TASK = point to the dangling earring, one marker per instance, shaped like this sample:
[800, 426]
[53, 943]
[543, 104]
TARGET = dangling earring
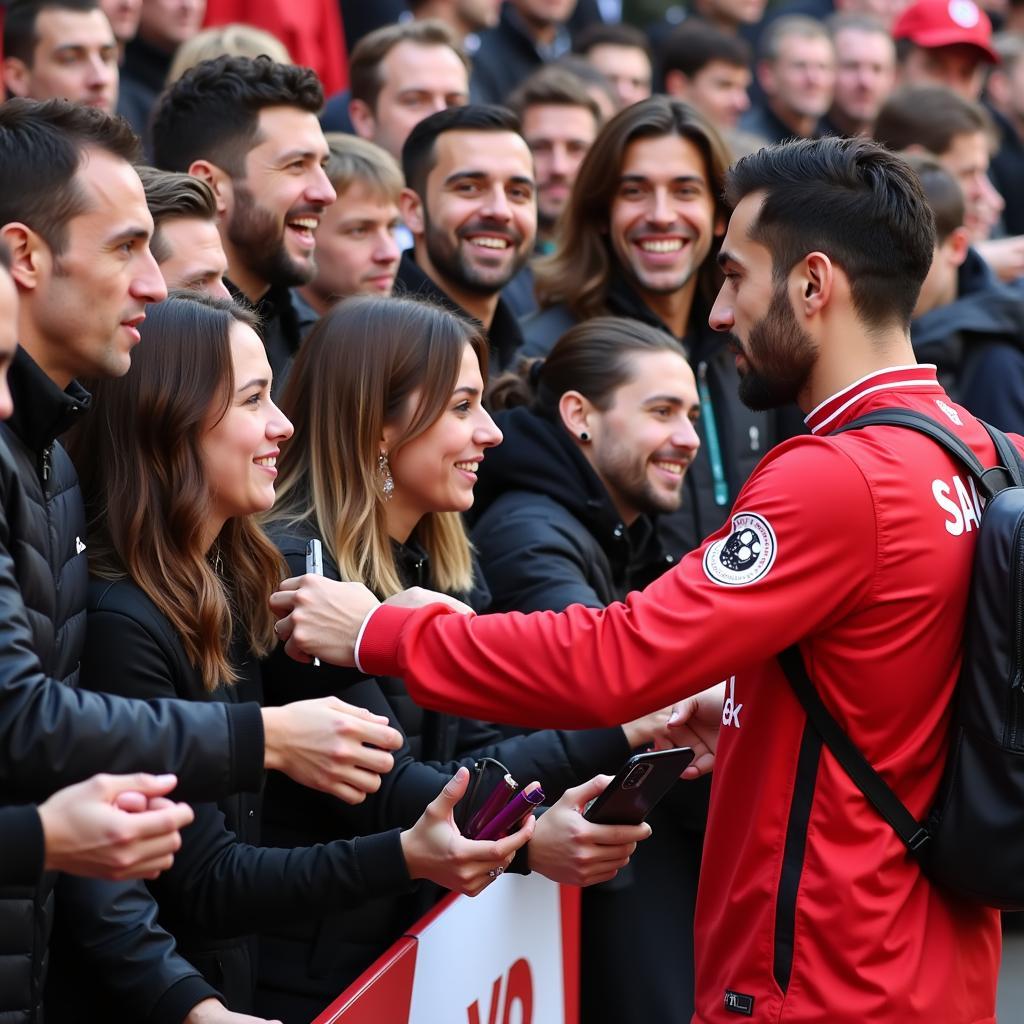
[387, 480]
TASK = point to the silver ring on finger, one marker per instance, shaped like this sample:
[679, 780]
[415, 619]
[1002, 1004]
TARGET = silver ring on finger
[494, 872]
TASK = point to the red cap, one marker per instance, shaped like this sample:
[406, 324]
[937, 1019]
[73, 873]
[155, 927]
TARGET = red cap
[931, 23]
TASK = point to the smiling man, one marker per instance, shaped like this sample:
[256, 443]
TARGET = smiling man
[471, 206]
[637, 239]
[249, 129]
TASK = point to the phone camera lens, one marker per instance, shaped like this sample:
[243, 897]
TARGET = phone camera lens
[636, 776]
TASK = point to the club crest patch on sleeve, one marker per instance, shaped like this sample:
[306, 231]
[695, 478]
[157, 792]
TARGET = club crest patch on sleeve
[743, 557]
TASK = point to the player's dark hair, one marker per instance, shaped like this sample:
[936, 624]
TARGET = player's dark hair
[852, 200]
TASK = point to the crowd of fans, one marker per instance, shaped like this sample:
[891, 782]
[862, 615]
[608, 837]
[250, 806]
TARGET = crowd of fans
[453, 322]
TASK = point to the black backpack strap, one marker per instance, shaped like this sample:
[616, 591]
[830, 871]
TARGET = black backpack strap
[853, 762]
[1009, 473]
[1008, 454]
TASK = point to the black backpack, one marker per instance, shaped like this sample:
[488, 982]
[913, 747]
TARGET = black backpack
[972, 843]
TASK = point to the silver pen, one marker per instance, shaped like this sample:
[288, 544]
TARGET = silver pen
[315, 565]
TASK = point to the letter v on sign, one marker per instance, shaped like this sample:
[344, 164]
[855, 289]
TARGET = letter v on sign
[473, 1013]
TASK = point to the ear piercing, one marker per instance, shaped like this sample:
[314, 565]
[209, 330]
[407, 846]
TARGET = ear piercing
[584, 436]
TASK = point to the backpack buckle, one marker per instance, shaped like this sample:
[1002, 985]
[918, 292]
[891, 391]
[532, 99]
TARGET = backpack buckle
[919, 839]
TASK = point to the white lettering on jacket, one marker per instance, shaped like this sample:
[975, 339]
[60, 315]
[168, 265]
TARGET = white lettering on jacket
[730, 709]
[964, 513]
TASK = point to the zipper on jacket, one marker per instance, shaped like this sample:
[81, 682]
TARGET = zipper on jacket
[47, 456]
[707, 415]
[793, 855]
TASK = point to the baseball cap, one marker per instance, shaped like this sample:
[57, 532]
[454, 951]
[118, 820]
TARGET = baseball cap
[931, 23]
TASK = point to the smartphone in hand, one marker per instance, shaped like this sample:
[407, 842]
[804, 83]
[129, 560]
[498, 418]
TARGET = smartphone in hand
[641, 782]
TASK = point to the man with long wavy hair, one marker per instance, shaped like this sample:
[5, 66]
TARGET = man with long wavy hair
[638, 239]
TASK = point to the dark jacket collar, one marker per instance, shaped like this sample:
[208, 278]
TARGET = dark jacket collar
[984, 309]
[146, 63]
[504, 336]
[41, 410]
[763, 121]
[623, 300]
[512, 26]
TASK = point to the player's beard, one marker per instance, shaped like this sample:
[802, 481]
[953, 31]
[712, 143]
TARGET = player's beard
[779, 355]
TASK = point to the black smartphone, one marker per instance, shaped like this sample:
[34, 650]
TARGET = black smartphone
[641, 782]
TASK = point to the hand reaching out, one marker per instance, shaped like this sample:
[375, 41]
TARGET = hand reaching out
[329, 745]
[695, 722]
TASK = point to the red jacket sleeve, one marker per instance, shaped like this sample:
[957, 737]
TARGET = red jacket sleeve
[799, 552]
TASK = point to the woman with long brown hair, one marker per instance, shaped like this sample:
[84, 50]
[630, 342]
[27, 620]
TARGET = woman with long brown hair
[390, 430]
[176, 461]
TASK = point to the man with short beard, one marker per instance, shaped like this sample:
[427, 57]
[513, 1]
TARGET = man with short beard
[471, 206]
[249, 129]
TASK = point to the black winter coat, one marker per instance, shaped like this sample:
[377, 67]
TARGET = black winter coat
[506, 56]
[743, 436]
[224, 886]
[23, 849]
[52, 734]
[304, 967]
[503, 336]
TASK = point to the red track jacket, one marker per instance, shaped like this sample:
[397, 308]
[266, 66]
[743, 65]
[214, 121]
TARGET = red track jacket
[859, 547]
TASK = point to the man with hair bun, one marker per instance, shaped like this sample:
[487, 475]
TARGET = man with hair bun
[563, 515]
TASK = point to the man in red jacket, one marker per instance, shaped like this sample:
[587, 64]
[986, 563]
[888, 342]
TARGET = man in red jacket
[857, 546]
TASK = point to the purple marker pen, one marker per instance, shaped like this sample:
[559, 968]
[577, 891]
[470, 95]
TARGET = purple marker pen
[514, 811]
[497, 798]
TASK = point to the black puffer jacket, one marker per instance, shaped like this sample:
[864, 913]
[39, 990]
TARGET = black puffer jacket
[742, 436]
[52, 734]
[223, 886]
[305, 966]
